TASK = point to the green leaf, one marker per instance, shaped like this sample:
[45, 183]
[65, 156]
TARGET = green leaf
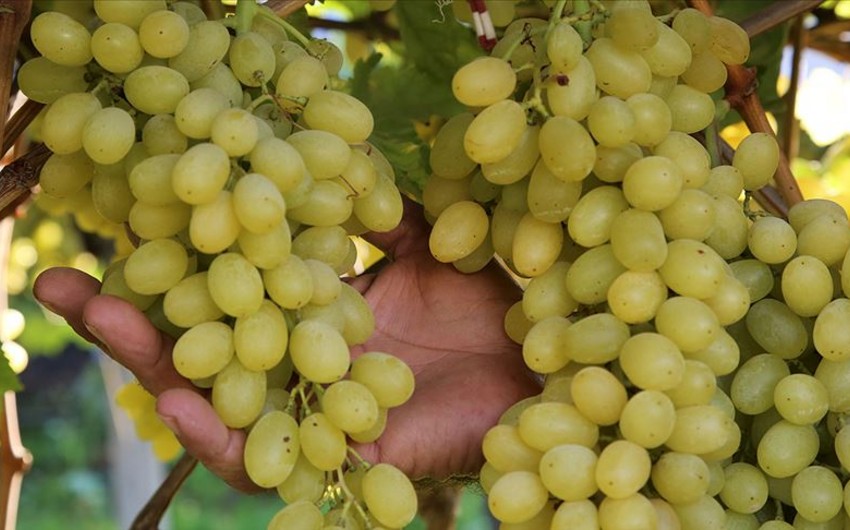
[8, 378]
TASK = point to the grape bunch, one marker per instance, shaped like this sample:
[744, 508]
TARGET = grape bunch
[694, 351]
[241, 171]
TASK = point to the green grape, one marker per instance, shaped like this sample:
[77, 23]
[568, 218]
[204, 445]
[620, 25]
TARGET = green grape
[483, 82]
[652, 361]
[222, 80]
[459, 230]
[207, 46]
[807, 286]
[635, 297]
[204, 350]
[303, 77]
[503, 225]
[589, 223]
[729, 237]
[388, 378]
[515, 196]
[786, 449]
[729, 41]
[543, 426]
[755, 275]
[536, 245]
[235, 285]
[637, 240]
[350, 406]
[195, 113]
[648, 418]
[251, 59]
[326, 284]
[730, 301]
[160, 135]
[744, 488]
[592, 274]
[611, 122]
[670, 55]
[164, 34]
[697, 386]
[518, 163]
[619, 72]
[360, 174]
[150, 180]
[546, 295]
[213, 227]
[235, 131]
[826, 238]
[305, 482]
[325, 154]
[817, 494]
[777, 329]
[542, 348]
[495, 132]
[722, 355]
[156, 266]
[632, 27]
[699, 429]
[440, 193]
[803, 213]
[258, 204]
[111, 193]
[189, 303]
[661, 86]
[505, 451]
[598, 394]
[260, 339]
[830, 331]
[328, 53]
[61, 39]
[690, 216]
[564, 46]
[573, 91]
[448, 158]
[693, 26]
[108, 135]
[129, 12]
[382, 209]
[691, 109]
[318, 351]
[757, 158]
[114, 284]
[190, 12]
[321, 442]
[801, 399]
[289, 284]
[680, 478]
[155, 89]
[652, 183]
[62, 176]
[516, 324]
[238, 395]
[772, 240]
[706, 513]
[692, 269]
[389, 495]
[340, 114]
[576, 515]
[706, 73]
[754, 383]
[116, 48]
[64, 122]
[569, 472]
[612, 163]
[199, 175]
[835, 375]
[329, 244]
[373, 433]
[44, 81]
[279, 161]
[632, 512]
[300, 515]
[595, 339]
[724, 180]
[568, 165]
[691, 157]
[517, 496]
[652, 119]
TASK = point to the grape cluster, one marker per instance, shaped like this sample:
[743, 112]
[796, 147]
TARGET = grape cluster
[140, 407]
[694, 352]
[241, 172]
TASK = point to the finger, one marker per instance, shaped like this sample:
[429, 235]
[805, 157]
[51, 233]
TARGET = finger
[132, 340]
[411, 234]
[195, 423]
[361, 283]
[66, 291]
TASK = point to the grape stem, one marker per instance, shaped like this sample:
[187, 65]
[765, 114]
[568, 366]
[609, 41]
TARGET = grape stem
[245, 11]
[13, 20]
[580, 7]
[151, 514]
[268, 15]
[741, 93]
[350, 499]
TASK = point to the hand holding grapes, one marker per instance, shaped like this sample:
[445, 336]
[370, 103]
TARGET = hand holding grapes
[447, 326]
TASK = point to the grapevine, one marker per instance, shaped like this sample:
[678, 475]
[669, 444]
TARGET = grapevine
[683, 308]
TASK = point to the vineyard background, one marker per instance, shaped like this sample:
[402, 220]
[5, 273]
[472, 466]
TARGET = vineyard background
[399, 63]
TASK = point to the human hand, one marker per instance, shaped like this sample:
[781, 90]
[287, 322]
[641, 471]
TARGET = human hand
[446, 325]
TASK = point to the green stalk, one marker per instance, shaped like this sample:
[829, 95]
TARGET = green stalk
[245, 11]
[583, 27]
[285, 25]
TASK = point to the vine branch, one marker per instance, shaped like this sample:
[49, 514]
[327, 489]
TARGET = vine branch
[151, 515]
[791, 130]
[286, 7]
[776, 14]
[18, 123]
[14, 15]
[742, 96]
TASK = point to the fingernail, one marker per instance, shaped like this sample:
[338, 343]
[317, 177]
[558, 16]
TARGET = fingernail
[169, 422]
[94, 331]
[48, 306]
